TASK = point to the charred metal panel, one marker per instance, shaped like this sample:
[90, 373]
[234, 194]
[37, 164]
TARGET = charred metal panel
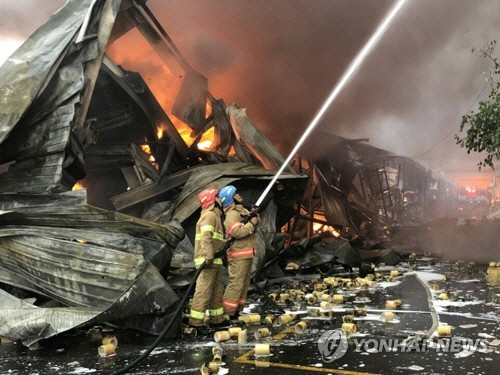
[190, 103]
[248, 134]
[22, 75]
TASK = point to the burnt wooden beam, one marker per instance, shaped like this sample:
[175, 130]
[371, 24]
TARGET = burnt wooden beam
[143, 164]
[131, 177]
[98, 157]
[166, 164]
[150, 191]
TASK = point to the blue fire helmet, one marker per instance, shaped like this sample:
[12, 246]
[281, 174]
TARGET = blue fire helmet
[226, 195]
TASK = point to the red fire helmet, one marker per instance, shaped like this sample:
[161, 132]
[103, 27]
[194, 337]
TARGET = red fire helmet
[207, 197]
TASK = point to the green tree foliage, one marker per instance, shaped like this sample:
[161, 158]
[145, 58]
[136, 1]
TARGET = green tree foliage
[482, 128]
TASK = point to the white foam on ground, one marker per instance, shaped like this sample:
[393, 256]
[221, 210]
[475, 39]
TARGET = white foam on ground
[463, 354]
[469, 281]
[82, 370]
[440, 305]
[157, 351]
[368, 317]
[386, 284]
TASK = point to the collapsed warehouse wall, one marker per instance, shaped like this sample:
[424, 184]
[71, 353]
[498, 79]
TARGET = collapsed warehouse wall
[357, 204]
[354, 186]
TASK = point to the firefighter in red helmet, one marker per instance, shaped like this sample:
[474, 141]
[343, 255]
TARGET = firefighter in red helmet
[208, 241]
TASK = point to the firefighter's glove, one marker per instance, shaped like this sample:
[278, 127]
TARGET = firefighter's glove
[255, 220]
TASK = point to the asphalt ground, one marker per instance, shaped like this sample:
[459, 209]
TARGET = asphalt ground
[474, 316]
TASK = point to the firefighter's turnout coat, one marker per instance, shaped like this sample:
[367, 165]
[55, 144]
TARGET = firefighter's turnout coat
[240, 257]
[209, 286]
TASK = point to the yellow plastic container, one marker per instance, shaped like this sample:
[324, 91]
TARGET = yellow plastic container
[311, 300]
[262, 349]
[348, 319]
[387, 316]
[493, 275]
[284, 296]
[390, 304]
[221, 336]
[110, 340]
[313, 312]
[250, 318]
[326, 297]
[284, 319]
[106, 350]
[318, 293]
[242, 337]
[270, 320]
[233, 331]
[326, 305]
[444, 331]
[443, 296]
[338, 299]
[349, 328]
[300, 327]
[213, 367]
[360, 311]
[262, 333]
[319, 287]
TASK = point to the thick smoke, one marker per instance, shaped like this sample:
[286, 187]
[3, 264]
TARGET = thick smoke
[281, 58]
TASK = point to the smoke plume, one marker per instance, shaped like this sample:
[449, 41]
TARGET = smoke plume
[281, 58]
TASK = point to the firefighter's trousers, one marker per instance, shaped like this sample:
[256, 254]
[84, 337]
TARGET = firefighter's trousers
[208, 295]
[240, 272]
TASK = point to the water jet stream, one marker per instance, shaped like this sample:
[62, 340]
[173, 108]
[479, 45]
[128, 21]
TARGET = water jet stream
[358, 60]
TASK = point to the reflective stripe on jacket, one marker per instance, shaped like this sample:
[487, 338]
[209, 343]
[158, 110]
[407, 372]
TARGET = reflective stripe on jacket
[209, 237]
[244, 243]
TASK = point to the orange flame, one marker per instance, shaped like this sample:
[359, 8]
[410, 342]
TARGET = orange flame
[162, 82]
[208, 109]
[207, 140]
[321, 228]
[78, 186]
[147, 150]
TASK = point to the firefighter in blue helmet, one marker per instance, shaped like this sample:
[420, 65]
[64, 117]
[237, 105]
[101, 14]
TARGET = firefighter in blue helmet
[240, 253]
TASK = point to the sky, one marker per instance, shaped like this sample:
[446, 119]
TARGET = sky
[281, 58]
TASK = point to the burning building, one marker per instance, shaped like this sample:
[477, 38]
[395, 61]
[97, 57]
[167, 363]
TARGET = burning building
[99, 183]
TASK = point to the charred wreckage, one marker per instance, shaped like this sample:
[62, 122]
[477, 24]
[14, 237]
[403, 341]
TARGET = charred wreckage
[99, 181]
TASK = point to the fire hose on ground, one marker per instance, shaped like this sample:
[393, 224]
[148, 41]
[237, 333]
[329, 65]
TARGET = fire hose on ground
[167, 327]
